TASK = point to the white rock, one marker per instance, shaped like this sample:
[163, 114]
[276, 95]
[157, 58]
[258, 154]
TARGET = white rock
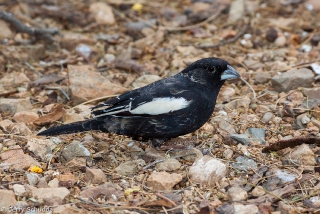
[258, 191]
[19, 189]
[102, 13]
[54, 183]
[41, 147]
[316, 68]
[7, 200]
[236, 11]
[245, 209]
[237, 194]
[207, 171]
[306, 48]
[45, 193]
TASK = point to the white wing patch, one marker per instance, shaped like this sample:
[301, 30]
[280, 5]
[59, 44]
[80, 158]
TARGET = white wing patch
[161, 106]
[156, 106]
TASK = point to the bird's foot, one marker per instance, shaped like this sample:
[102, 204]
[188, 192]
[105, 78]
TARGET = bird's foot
[156, 143]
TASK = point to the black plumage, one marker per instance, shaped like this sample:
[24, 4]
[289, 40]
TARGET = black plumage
[165, 109]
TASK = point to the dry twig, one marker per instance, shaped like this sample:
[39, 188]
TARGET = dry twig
[45, 34]
[165, 198]
[232, 40]
[282, 144]
[211, 18]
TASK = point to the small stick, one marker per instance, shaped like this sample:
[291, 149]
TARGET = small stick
[96, 99]
[165, 198]
[60, 89]
[232, 40]
[211, 18]
[44, 34]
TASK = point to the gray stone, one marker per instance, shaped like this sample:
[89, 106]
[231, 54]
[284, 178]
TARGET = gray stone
[305, 119]
[277, 178]
[253, 64]
[250, 135]
[14, 105]
[268, 116]
[196, 154]
[226, 127]
[292, 79]
[136, 152]
[33, 178]
[312, 93]
[73, 150]
[244, 163]
[129, 167]
[168, 165]
[313, 202]
[302, 120]
[262, 77]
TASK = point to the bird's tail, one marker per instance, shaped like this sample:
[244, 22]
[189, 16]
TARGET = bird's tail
[75, 127]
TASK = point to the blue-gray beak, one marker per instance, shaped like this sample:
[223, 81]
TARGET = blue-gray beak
[230, 73]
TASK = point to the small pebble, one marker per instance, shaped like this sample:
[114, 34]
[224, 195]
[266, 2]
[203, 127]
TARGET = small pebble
[247, 36]
[272, 34]
[309, 7]
[280, 41]
[305, 119]
[267, 117]
[306, 48]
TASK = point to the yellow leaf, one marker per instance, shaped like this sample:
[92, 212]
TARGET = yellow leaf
[137, 7]
[131, 190]
[34, 168]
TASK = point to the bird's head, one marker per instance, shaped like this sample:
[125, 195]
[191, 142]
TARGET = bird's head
[211, 67]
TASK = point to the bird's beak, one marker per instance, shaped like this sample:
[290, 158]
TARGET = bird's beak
[230, 73]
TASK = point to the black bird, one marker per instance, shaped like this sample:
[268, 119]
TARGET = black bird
[165, 109]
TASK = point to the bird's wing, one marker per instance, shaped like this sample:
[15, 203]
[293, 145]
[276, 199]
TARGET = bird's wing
[154, 99]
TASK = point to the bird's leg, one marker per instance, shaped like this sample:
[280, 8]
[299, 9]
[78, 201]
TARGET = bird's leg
[156, 143]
